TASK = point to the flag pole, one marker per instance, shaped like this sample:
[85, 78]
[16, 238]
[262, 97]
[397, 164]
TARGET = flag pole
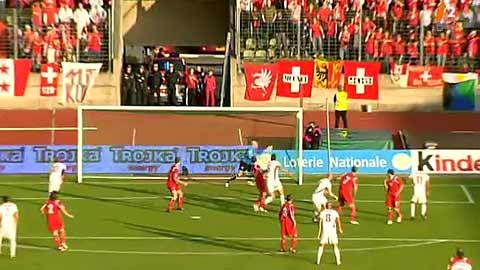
[328, 134]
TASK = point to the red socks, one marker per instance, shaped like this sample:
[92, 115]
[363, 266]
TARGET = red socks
[171, 204]
[294, 243]
[284, 244]
[180, 202]
[353, 214]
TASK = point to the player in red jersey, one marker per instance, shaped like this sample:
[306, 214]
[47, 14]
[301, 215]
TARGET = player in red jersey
[261, 183]
[54, 209]
[288, 225]
[174, 185]
[394, 187]
[460, 262]
[347, 194]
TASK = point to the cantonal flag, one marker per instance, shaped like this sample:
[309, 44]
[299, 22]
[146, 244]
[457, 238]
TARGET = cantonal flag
[14, 76]
[260, 80]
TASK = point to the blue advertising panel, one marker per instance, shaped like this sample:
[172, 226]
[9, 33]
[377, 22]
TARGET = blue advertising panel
[198, 159]
[368, 161]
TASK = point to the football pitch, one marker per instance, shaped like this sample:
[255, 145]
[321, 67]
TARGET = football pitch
[122, 224]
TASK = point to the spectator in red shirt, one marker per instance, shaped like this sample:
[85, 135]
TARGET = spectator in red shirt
[37, 16]
[317, 35]
[399, 45]
[387, 51]
[311, 13]
[367, 26]
[381, 11]
[379, 35]
[37, 49]
[412, 50]
[473, 49]
[210, 88]
[413, 18]
[94, 46]
[442, 49]
[28, 37]
[397, 14]
[429, 45]
[370, 45]
[345, 38]
[192, 87]
[50, 14]
[331, 37]
[52, 43]
[339, 14]
[325, 14]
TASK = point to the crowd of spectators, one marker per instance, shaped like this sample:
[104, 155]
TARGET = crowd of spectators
[51, 31]
[165, 80]
[384, 30]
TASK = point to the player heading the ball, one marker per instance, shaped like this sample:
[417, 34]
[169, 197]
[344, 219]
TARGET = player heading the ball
[8, 224]
[273, 180]
[54, 209]
[327, 232]
[57, 176]
[174, 185]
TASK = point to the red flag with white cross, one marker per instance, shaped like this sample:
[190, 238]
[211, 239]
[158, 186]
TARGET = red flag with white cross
[295, 78]
[49, 80]
[361, 79]
[428, 76]
[14, 76]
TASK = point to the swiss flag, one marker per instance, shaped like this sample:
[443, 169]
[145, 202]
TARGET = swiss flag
[361, 79]
[295, 78]
[429, 76]
[260, 80]
[49, 74]
[14, 76]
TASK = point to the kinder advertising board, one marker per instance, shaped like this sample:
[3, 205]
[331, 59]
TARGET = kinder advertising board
[446, 161]
[368, 161]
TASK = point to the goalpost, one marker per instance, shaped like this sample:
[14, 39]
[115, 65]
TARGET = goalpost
[140, 142]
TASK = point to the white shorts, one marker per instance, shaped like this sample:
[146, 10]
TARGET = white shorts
[329, 238]
[274, 185]
[54, 183]
[9, 233]
[319, 200]
[419, 198]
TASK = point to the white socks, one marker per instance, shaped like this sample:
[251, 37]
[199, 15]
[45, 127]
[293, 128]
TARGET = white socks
[424, 209]
[282, 199]
[268, 200]
[319, 254]
[13, 248]
[336, 250]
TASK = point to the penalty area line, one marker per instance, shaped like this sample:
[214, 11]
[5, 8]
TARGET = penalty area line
[467, 194]
[226, 253]
[233, 238]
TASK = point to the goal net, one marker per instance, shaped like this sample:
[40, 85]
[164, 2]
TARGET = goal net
[142, 142]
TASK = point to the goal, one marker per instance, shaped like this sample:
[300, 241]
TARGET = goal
[131, 142]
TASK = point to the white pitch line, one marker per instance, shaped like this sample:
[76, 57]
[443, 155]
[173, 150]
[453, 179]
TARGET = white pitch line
[233, 238]
[467, 193]
[136, 183]
[225, 253]
[130, 198]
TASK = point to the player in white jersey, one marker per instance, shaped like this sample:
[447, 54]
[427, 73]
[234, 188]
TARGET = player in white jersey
[8, 224]
[327, 232]
[421, 190]
[319, 198]
[57, 174]
[273, 180]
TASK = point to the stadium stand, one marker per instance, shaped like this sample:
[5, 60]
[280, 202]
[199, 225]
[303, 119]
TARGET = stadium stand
[417, 32]
[52, 31]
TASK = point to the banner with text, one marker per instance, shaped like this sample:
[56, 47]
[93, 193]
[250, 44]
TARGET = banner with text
[446, 161]
[368, 161]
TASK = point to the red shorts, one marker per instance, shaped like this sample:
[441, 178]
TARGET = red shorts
[345, 198]
[393, 201]
[55, 224]
[174, 187]
[289, 229]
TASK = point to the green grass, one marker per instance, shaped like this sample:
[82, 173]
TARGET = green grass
[111, 231]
